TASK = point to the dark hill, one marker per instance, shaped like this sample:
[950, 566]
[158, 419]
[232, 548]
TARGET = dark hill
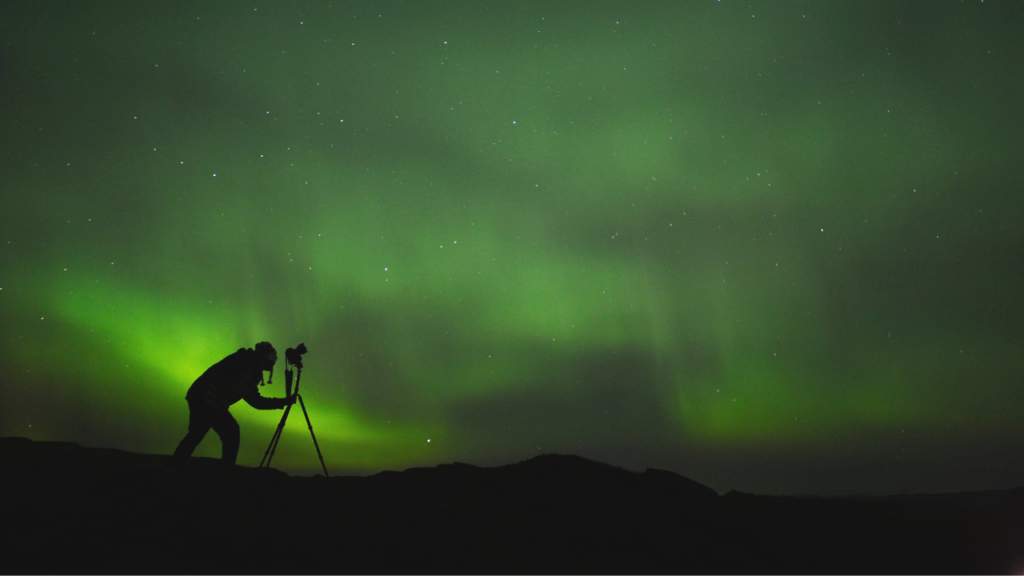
[69, 509]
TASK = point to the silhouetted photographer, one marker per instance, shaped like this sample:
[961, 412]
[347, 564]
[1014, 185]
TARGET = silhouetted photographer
[237, 377]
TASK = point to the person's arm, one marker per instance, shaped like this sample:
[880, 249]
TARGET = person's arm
[253, 398]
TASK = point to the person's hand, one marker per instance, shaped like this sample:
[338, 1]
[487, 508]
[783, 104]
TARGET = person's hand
[291, 399]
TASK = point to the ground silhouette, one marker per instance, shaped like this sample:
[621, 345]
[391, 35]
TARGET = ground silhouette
[70, 509]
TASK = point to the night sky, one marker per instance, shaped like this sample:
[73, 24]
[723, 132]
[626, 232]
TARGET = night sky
[773, 246]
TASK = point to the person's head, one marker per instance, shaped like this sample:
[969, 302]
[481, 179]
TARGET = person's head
[267, 356]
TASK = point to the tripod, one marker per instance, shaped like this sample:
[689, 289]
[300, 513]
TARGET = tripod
[280, 427]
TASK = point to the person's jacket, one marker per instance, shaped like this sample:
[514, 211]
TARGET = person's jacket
[234, 378]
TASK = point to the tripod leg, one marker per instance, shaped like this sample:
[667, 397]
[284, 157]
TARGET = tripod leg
[273, 441]
[310, 424]
[272, 448]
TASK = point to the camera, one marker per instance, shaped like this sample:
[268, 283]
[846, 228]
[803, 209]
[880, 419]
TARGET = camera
[294, 355]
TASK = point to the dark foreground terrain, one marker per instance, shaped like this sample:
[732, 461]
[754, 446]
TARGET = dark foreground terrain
[69, 509]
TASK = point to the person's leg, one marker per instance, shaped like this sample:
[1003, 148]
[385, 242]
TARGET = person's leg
[198, 425]
[227, 428]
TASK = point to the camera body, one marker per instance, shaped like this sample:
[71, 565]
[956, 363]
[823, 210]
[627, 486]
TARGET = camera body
[294, 355]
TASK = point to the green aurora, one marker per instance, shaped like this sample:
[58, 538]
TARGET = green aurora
[773, 246]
